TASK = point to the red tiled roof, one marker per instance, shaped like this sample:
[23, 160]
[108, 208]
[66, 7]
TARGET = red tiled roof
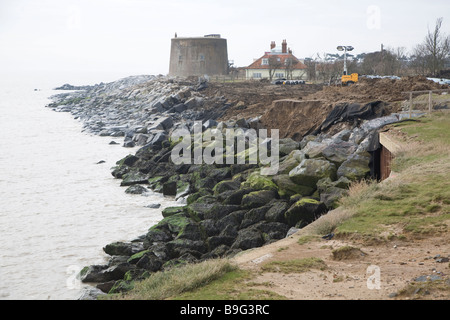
[282, 56]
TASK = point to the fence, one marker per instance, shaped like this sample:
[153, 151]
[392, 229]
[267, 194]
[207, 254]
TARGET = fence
[428, 100]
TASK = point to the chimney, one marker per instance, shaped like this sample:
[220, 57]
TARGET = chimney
[272, 45]
[284, 47]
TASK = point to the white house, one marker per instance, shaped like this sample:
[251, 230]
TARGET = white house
[277, 64]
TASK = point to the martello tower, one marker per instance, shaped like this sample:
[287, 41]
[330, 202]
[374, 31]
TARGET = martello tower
[198, 56]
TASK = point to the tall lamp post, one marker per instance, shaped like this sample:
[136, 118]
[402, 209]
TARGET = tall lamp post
[345, 49]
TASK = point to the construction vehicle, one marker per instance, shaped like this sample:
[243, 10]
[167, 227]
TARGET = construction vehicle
[348, 80]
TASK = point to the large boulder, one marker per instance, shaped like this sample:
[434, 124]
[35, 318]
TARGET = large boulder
[276, 211]
[100, 273]
[163, 123]
[287, 188]
[247, 239]
[258, 198]
[356, 167]
[304, 211]
[123, 248]
[287, 145]
[291, 161]
[331, 197]
[309, 171]
[338, 151]
[314, 149]
[134, 177]
[257, 181]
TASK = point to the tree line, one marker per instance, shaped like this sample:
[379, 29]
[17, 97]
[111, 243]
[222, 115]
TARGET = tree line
[429, 58]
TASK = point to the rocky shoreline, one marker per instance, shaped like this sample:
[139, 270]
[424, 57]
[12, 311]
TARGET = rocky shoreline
[219, 209]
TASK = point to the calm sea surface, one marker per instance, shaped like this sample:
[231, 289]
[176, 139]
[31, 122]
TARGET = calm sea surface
[58, 206]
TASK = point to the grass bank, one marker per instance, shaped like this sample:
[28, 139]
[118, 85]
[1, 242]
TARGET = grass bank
[413, 204]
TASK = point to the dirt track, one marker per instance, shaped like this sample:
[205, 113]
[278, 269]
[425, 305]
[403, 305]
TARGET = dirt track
[399, 264]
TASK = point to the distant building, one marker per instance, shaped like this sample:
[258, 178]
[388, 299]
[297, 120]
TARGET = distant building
[198, 56]
[276, 64]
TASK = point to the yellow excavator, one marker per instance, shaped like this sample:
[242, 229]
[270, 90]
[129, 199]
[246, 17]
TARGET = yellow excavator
[348, 80]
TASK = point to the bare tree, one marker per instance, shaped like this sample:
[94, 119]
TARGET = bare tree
[383, 63]
[289, 64]
[274, 65]
[435, 49]
[311, 69]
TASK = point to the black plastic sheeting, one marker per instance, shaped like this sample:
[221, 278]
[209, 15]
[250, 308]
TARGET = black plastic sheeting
[352, 111]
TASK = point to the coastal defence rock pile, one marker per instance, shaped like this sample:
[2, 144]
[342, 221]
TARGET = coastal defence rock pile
[221, 209]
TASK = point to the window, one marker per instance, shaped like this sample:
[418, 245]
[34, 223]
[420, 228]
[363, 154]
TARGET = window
[257, 75]
[180, 58]
[201, 57]
[279, 75]
[265, 62]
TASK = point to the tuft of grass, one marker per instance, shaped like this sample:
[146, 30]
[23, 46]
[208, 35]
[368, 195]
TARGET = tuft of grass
[234, 285]
[306, 238]
[347, 253]
[176, 281]
[295, 265]
[427, 290]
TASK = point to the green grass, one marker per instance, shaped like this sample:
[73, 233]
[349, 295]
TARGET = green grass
[178, 280]
[234, 285]
[430, 128]
[417, 200]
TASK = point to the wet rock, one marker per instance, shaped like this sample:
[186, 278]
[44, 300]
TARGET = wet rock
[258, 198]
[153, 205]
[218, 211]
[122, 248]
[304, 212]
[287, 188]
[356, 167]
[170, 188]
[276, 211]
[134, 177]
[136, 189]
[257, 181]
[254, 216]
[234, 197]
[150, 262]
[248, 239]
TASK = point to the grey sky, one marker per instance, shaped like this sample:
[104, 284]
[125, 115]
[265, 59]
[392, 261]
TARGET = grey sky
[103, 40]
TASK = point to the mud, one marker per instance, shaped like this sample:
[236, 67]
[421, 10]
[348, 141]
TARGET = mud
[298, 110]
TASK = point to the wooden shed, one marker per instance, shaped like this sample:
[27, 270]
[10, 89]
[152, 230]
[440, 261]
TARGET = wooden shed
[389, 147]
